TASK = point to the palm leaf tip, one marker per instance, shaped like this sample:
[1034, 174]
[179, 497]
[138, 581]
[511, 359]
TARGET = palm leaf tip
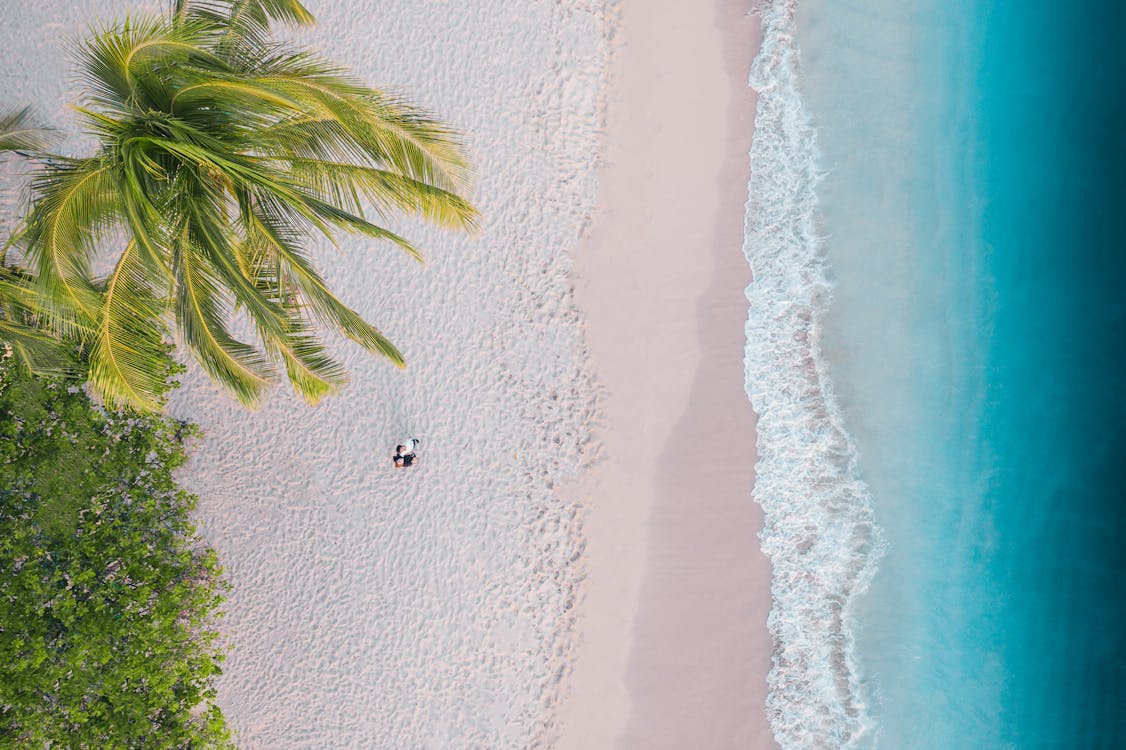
[33, 351]
[26, 336]
[243, 370]
[18, 133]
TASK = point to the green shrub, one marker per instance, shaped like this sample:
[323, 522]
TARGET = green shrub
[107, 596]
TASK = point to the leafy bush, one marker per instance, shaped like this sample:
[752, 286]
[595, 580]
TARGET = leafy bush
[107, 596]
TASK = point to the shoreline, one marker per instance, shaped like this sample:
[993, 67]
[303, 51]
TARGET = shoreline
[674, 647]
[442, 592]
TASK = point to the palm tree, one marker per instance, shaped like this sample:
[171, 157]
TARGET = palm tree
[221, 151]
[21, 336]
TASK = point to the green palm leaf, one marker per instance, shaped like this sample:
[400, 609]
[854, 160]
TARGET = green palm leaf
[342, 183]
[269, 228]
[128, 347]
[25, 335]
[18, 134]
[122, 64]
[202, 308]
[385, 130]
[311, 371]
[221, 153]
[77, 202]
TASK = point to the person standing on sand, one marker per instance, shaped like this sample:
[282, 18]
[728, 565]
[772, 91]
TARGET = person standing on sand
[405, 455]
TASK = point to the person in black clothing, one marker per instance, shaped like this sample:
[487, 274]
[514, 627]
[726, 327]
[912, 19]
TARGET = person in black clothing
[405, 455]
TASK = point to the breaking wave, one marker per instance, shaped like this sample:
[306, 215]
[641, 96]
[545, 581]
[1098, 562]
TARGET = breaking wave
[819, 530]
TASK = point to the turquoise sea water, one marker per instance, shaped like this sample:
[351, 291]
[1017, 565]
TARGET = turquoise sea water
[968, 215]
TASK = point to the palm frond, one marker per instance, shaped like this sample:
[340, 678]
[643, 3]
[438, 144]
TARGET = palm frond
[267, 226]
[389, 130]
[209, 231]
[234, 14]
[34, 351]
[221, 152]
[22, 335]
[309, 369]
[338, 182]
[236, 93]
[75, 203]
[143, 219]
[17, 133]
[118, 59]
[201, 310]
[243, 26]
[127, 354]
[358, 225]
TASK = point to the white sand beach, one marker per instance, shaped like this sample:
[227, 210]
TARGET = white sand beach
[574, 561]
[675, 648]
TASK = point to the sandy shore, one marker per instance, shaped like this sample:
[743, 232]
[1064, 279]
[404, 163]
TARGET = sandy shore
[675, 648]
[375, 610]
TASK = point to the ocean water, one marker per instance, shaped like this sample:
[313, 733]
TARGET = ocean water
[934, 341]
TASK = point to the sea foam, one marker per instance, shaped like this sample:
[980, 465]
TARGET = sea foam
[819, 531]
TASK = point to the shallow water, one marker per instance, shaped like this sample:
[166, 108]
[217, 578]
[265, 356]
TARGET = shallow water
[972, 157]
[818, 529]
